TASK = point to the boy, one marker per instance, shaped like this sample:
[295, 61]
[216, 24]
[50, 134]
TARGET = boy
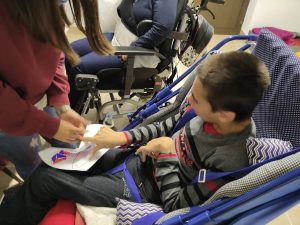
[226, 90]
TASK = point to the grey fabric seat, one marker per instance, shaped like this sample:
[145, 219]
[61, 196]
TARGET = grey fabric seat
[256, 178]
[276, 116]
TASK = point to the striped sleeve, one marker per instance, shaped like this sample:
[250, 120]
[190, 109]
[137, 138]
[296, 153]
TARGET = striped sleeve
[174, 194]
[146, 133]
[167, 177]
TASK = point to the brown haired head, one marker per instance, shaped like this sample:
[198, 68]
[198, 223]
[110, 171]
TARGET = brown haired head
[234, 81]
[45, 20]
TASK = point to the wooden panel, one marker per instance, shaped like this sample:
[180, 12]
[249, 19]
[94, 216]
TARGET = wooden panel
[229, 17]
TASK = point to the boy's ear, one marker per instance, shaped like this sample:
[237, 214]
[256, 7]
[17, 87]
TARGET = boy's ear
[226, 116]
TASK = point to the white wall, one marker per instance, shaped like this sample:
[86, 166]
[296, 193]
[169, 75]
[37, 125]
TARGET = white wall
[284, 14]
[107, 14]
[69, 12]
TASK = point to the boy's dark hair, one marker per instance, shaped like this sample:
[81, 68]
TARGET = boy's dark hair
[234, 81]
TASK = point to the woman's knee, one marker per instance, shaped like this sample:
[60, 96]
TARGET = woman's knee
[81, 46]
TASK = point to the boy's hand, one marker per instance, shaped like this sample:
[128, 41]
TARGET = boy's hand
[156, 146]
[106, 138]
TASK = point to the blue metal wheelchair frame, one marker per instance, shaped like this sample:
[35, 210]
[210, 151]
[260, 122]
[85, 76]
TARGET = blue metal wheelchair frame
[279, 190]
[166, 93]
[257, 206]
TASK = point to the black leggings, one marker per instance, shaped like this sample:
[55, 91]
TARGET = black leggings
[46, 185]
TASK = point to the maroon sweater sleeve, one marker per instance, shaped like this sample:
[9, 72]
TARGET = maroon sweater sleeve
[29, 69]
[18, 117]
[57, 94]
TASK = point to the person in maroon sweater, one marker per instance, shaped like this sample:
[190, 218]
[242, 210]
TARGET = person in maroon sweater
[33, 41]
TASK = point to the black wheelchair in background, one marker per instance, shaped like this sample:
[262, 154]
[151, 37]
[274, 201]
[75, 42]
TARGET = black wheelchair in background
[191, 33]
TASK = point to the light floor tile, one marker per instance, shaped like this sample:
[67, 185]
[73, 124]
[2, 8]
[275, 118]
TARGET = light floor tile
[291, 217]
[6, 181]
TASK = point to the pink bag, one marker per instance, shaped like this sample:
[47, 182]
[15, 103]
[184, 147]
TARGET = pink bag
[286, 36]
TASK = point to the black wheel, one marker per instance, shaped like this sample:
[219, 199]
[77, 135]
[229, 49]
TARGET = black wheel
[146, 94]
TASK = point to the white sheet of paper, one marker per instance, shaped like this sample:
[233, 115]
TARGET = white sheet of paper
[90, 131]
[74, 159]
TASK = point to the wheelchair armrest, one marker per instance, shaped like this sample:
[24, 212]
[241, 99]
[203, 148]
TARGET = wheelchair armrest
[143, 26]
[85, 82]
[134, 51]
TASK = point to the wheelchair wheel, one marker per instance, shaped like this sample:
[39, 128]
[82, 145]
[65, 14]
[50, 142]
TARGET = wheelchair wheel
[145, 95]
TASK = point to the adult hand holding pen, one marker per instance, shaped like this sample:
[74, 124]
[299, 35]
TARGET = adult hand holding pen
[72, 125]
[67, 132]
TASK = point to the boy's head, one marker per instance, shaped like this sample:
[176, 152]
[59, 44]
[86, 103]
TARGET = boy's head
[228, 86]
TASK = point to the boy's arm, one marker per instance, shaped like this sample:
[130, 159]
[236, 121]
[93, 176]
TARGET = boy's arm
[107, 138]
[175, 195]
[146, 133]
[174, 192]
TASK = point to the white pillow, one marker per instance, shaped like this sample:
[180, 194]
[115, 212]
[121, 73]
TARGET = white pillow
[128, 211]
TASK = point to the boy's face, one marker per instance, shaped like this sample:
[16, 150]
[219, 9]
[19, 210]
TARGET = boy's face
[197, 98]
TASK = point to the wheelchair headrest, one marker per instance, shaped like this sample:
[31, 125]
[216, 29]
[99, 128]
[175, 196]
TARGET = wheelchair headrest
[145, 25]
[277, 115]
[201, 34]
[181, 4]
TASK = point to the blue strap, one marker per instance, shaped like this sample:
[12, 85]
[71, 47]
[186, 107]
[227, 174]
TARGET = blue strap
[149, 219]
[187, 116]
[204, 175]
[116, 169]
[160, 95]
[133, 189]
[150, 111]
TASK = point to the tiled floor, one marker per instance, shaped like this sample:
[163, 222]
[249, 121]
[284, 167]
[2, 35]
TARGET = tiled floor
[289, 218]
[5, 180]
